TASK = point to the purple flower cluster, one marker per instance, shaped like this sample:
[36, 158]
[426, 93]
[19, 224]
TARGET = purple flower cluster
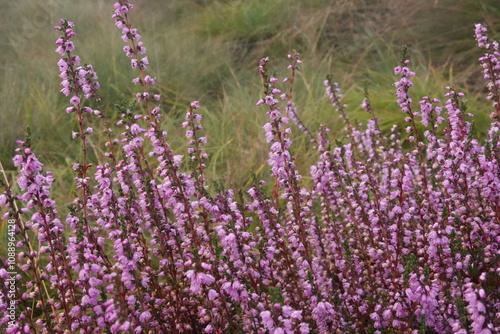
[76, 80]
[393, 234]
[491, 67]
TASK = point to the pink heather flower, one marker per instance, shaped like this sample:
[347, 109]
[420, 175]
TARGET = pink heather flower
[276, 147]
[76, 60]
[135, 129]
[482, 40]
[18, 160]
[66, 91]
[3, 200]
[156, 111]
[212, 294]
[268, 127]
[296, 315]
[364, 105]
[144, 317]
[69, 46]
[206, 279]
[197, 279]
[60, 50]
[63, 65]
[128, 51]
[125, 326]
[75, 310]
[270, 100]
[134, 35]
[304, 328]
[75, 100]
[82, 72]
[267, 320]
[287, 310]
[150, 80]
[93, 281]
[141, 48]
[178, 159]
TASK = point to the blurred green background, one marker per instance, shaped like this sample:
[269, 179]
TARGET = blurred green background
[209, 50]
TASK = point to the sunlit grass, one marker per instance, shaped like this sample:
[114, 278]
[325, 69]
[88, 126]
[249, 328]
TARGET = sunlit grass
[209, 50]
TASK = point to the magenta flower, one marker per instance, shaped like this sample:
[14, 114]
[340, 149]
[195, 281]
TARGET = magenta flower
[75, 100]
[3, 200]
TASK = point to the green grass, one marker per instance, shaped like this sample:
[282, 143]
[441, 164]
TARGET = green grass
[209, 51]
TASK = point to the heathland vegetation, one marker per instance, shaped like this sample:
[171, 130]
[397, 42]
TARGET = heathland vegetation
[209, 50]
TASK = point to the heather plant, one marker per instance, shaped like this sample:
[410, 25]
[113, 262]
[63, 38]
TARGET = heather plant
[396, 232]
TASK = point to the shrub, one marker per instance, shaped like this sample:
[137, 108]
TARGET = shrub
[395, 233]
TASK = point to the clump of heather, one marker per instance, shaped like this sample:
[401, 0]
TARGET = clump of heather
[394, 233]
